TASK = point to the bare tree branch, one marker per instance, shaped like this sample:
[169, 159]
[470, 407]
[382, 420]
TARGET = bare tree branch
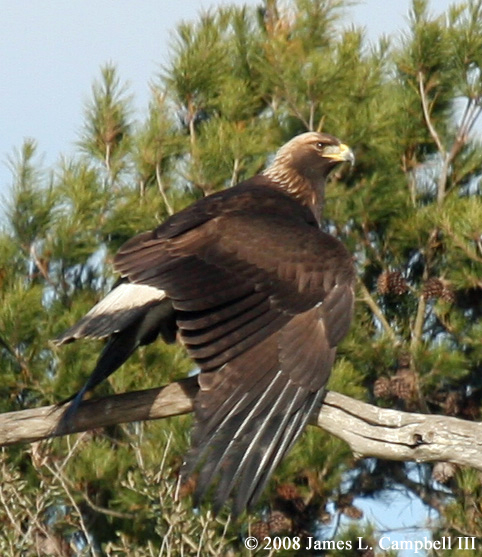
[377, 312]
[395, 435]
[368, 430]
[446, 160]
[428, 120]
[26, 426]
[162, 190]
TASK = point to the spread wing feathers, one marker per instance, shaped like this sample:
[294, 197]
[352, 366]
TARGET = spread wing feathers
[124, 304]
[235, 281]
[256, 406]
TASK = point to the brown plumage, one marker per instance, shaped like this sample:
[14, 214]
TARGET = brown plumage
[261, 297]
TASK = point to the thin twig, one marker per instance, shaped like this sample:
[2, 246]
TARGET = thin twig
[426, 114]
[57, 473]
[162, 191]
[41, 267]
[107, 512]
[465, 117]
[411, 182]
[470, 253]
[7, 509]
[377, 312]
[417, 328]
[442, 181]
[312, 116]
[235, 173]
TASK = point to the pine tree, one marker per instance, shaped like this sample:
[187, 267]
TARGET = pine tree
[239, 83]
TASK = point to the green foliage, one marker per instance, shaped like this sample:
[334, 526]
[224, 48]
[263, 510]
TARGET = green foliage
[238, 84]
[107, 127]
[31, 204]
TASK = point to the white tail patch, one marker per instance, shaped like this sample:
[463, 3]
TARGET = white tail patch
[127, 296]
[115, 312]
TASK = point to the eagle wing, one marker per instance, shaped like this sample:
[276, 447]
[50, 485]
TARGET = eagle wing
[262, 297]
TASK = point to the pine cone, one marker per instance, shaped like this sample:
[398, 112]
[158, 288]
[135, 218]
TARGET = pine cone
[288, 491]
[278, 522]
[443, 471]
[383, 285]
[345, 499]
[391, 282]
[299, 504]
[470, 409]
[260, 530]
[398, 284]
[436, 287]
[448, 294]
[382, 387]
[325, 517]
[432, 288]
[404, 384]
[352, 512]
[452, 403]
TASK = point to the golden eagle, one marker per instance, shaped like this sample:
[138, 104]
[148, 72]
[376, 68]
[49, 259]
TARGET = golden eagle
[260, 297]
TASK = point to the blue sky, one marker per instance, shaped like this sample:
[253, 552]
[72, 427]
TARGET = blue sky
[50, 53]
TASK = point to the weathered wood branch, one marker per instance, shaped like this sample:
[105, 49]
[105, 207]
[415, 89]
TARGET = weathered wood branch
[368, 430]
[395, 435]
[27, 426]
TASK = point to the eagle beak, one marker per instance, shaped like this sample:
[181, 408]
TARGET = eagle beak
[339, 153]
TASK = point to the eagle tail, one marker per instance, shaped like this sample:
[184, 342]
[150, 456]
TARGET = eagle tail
[149, 322]
[117, 350]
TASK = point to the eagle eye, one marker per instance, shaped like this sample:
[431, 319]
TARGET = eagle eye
[320, 145]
